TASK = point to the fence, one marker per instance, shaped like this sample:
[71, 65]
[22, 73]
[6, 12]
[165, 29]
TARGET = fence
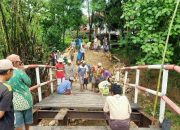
[38, 81]
[164, 99]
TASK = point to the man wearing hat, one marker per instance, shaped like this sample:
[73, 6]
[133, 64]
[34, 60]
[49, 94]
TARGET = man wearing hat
[6, 96]
[117, 109]
[22, 97]
[99, 74]
[60, 71]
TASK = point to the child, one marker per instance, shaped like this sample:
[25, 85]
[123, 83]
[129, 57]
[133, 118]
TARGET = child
[6, 96]
[86, 81]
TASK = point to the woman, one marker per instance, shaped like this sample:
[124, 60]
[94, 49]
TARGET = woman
[22, 98]
[60, 71]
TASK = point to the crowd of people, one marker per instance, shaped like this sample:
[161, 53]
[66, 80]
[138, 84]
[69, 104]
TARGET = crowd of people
[101, 80]
[16, 99]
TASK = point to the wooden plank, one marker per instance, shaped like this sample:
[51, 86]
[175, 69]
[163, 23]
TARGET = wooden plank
[61, 114]
[82, 128]
[69, 128]
[145, 129]
[78, 100]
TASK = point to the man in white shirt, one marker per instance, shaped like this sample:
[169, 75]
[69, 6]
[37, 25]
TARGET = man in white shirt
[119, 109]
[82, 50]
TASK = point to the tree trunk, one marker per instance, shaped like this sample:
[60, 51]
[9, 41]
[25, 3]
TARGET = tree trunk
[64, 31]
[77, 32]
[89, 21]
[5, 28]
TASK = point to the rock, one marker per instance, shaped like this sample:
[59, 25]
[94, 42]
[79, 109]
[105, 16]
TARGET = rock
[52, 123]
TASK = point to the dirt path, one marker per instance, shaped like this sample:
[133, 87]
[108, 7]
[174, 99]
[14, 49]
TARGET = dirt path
[93, 58]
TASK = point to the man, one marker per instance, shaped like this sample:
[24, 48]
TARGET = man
[82, 50]
[64, 87]
[98, 74]
[82, 73]
[106, 74]
[22, 97]
[6, 96]
[79, 57]
[119, 109]
[69, 71]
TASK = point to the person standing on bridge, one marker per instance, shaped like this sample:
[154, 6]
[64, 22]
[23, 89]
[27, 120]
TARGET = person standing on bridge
[98, 74]
[22, 97]
[69, 71]
[6, 96]
[60, 71]
[117, 109]
[82, 73]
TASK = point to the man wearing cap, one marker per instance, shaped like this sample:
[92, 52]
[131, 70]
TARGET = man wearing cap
[6, 96]
[22, 97]
[69, 71]
[119, 109]
[60, 71]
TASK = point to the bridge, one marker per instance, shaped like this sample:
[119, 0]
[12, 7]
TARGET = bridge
[89, 105]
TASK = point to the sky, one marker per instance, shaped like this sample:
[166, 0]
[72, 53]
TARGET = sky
[84, 8]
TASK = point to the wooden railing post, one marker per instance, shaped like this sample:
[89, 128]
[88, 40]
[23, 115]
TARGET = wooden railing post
[163, 91]
[38, 83]
[51, 77]
[137, 84]
[125, 81]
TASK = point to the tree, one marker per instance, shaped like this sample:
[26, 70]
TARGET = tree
[19, 27]
[149, 22]
[61, 15]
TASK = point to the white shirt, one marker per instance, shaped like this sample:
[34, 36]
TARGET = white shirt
[82, 50]
[118, 106]
[87, 68]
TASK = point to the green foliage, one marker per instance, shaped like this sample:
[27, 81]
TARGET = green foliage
[20, 32]
[174, 121]
[114, 12]
[149, 21]
[61, 15]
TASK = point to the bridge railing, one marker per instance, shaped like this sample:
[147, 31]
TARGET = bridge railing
[50, 81]
[38, 81]
[164, 99]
